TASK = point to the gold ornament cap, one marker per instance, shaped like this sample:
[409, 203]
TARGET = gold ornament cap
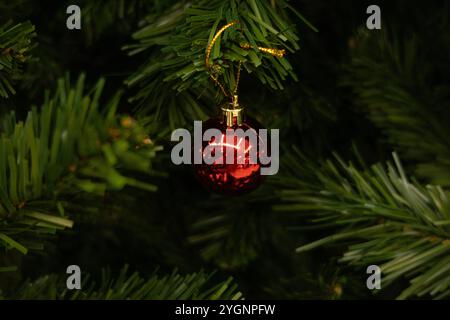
[233, 113]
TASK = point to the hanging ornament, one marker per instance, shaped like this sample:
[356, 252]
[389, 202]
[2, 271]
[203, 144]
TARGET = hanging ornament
[239, 174]
[234, 171]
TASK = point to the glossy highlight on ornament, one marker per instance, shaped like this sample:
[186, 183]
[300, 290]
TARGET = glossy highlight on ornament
[239, 177]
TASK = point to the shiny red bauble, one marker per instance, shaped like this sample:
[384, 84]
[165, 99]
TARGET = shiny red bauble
[237, 178]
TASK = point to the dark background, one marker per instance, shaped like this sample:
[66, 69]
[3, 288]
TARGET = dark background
[154, 231]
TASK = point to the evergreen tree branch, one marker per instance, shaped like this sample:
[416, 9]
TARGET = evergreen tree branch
[195, 286]
[399, 81]
[233, 234]
[174, 76]
[15, 44]
[388, 219]
[100, 15]
[67, 148]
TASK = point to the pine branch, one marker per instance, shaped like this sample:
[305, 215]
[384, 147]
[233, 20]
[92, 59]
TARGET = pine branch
[100, 15]
[233, 233]
[174, 76]
[15, 44]
[399, 81]
[389, 220]
[195, 286]
[67, 148]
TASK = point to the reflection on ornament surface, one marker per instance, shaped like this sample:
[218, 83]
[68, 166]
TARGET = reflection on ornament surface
[237, 178]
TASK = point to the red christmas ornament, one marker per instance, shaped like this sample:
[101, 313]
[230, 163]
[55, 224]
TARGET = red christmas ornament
[243, 175]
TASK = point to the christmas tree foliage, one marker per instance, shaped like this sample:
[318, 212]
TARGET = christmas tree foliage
[86, 176]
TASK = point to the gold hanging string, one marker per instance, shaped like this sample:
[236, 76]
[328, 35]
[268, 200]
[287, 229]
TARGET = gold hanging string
[238, 76]
[214, 73]
[214, 39]
[272, 51]
[246, 46]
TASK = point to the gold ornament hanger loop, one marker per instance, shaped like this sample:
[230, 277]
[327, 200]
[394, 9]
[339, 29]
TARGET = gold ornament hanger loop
[246, 46]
